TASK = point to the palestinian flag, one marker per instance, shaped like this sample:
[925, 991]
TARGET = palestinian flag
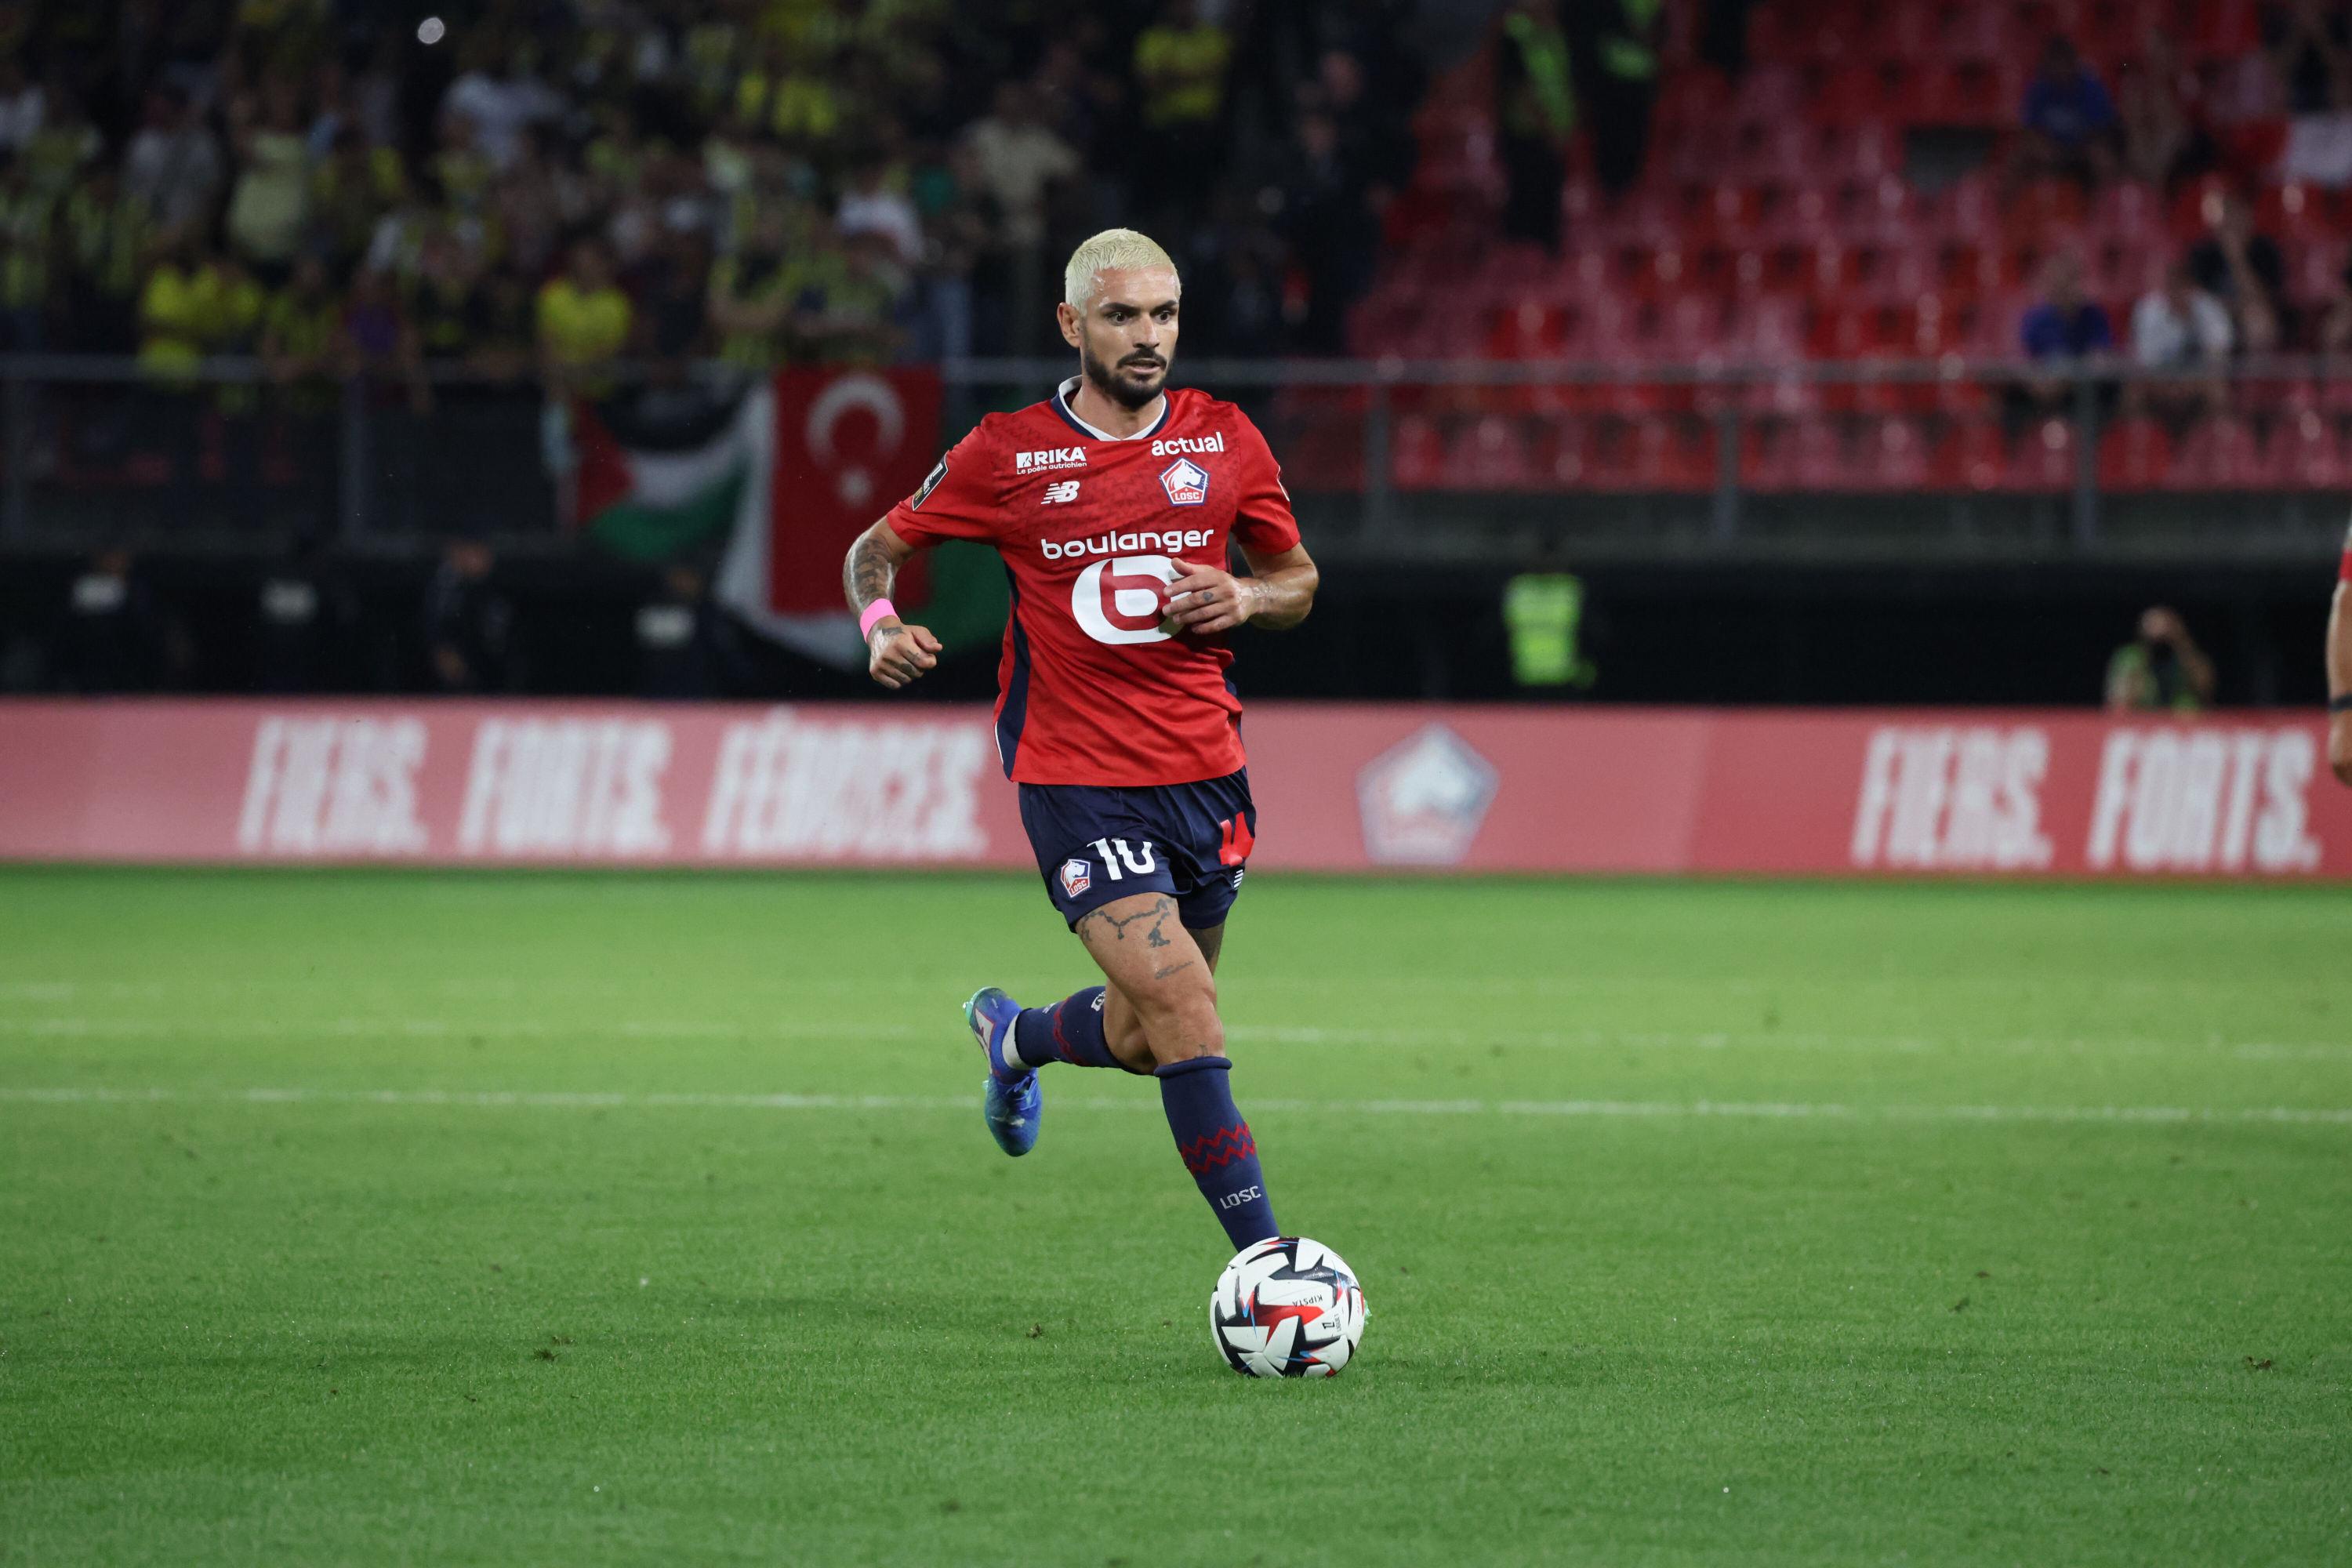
[662, 473]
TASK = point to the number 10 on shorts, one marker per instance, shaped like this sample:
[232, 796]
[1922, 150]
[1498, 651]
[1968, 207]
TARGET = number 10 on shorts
[1139, 863]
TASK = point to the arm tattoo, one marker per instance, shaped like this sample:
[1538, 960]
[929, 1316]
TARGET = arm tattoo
[867, 573]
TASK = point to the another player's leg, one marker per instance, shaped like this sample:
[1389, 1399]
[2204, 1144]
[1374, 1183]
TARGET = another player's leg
[1157, 968]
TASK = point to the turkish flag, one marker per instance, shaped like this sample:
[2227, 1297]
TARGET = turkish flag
[850, 444]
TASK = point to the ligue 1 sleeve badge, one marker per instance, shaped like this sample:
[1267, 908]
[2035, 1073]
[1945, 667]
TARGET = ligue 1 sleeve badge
[1186, 482]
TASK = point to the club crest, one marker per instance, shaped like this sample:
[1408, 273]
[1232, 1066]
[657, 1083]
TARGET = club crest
[1186, 482]
[1076, 879]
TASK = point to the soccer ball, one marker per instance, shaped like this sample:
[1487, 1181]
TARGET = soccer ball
[1286, 1306]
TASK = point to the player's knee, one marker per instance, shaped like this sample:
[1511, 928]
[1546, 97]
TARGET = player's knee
[1180, 1018]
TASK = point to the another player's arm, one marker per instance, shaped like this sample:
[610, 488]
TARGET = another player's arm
[1276, 595]
[2339, 676]
[896, 652]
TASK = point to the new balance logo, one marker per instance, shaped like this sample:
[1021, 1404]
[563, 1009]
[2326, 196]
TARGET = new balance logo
[1060, 493]
[1051, 458]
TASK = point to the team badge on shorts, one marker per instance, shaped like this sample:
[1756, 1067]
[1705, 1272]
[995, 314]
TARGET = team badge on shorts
[1076, 879]
[1186, 482]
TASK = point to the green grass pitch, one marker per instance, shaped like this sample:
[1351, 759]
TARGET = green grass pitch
[580, 1219]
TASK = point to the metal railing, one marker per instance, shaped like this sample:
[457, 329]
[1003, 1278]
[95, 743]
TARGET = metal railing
[105, 443]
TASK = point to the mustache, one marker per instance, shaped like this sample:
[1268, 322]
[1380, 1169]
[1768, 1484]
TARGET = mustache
[1143, 359]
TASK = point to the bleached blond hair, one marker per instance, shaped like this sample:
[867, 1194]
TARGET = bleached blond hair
[1112, 250]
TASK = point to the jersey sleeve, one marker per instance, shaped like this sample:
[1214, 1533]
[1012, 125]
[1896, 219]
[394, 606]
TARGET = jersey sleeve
[958, 500]
[1262, 521]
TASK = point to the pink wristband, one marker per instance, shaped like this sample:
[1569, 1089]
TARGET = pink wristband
[874, 612]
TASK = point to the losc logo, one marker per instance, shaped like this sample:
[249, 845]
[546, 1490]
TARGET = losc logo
[1186, 482]
[1422, 800]
[1076, 879]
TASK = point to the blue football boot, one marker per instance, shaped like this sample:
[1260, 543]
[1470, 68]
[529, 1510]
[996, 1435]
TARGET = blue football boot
[1013, 1103]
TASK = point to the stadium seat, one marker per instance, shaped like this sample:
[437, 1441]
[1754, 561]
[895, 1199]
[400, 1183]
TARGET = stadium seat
[2305, 452]
[1416, 454]
[1489, 454]
[2134, 455]
[2218, 454]
[1976, 456]
[1560, 451]
[2041, 459]
[1894, 455]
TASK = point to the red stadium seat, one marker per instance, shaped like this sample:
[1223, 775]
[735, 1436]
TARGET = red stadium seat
[2297, 213]
[1975, 457]
[2224, 27]
[2127, 212]
[1766, 456]
[2219, 454]
[1533, 328]
[1489, 454]
[1562, 452]
[1416, 454]
[2042, 460]
[2197, 207]
[1894, 455]
[2134, 455]
[2306, 453]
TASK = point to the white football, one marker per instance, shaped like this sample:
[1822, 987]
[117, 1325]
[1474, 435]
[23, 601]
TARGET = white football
[1286, 1306]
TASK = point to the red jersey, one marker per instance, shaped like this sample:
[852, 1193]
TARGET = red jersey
[1090, 689]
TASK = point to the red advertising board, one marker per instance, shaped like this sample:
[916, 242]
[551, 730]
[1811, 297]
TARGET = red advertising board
[1341, 787]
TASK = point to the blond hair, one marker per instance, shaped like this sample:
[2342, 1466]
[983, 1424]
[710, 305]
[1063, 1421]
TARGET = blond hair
[1112, 250]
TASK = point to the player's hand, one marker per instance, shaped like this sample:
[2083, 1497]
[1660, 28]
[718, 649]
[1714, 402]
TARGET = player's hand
[1206, 599]
[2339, 745]
[897, 653]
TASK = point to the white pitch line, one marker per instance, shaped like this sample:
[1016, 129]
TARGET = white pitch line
[791, 1028]
[567, 1100]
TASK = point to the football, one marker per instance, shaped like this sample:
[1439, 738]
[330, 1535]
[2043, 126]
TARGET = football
[1286, 1306]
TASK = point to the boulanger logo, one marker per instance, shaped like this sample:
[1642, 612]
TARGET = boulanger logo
[1109, 543]
[1186, 482]
[1051, 457]
[1124, 600]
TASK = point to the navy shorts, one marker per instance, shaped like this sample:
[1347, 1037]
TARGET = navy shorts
[1096, 843]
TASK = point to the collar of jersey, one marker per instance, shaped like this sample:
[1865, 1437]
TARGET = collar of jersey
[1068, 390]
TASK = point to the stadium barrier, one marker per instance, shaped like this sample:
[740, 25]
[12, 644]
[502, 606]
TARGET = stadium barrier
[1339, 787]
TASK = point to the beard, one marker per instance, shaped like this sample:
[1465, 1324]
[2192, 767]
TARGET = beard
[1131, 386]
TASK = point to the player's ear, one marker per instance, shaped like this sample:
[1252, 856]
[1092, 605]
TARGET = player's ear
[1068, 315]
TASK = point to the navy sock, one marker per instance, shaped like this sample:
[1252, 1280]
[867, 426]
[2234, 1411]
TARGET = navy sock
[1217, 1147]
[1070, 1031]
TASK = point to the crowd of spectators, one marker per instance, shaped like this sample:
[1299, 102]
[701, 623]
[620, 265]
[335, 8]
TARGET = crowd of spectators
[2227, 293]
[543, 186]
